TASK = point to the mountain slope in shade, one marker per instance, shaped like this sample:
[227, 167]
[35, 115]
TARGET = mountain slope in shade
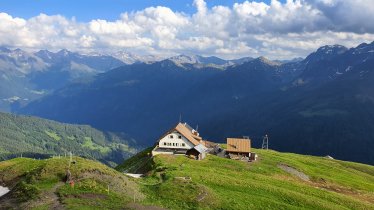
[126, 95]
[322, 105]
[323, 115]
[26, 76]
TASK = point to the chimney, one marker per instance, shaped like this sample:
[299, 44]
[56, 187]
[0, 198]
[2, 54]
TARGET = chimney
[194, 132]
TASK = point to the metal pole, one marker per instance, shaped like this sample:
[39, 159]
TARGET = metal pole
[265, 142]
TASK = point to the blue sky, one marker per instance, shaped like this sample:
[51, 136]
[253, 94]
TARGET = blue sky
[85, 10]
[277, 29]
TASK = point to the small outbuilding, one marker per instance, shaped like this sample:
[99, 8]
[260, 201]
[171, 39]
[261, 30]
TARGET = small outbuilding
[238, 148]
[198, 152]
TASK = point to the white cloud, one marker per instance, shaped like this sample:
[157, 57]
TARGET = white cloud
[351, 16]
[249, 9]
[277, 30]
[200, 6]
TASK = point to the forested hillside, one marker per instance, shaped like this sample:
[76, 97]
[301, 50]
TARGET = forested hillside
[36, 137]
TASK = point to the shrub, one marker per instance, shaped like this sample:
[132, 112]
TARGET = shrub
[25, 192]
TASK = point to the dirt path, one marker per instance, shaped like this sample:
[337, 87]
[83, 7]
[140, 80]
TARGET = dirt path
[56, 204]
[138, 206]
[202, 195]
[49, 198]
[294, 172]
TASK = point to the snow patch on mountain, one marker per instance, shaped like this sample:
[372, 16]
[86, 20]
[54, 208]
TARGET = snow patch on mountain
[130, 58]
[12, 99]
[21, 61]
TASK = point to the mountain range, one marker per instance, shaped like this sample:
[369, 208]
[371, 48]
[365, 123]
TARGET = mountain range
[321, 105]
[26, 76]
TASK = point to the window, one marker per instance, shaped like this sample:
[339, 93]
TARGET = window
[164, 143]
[173, 144]
[179, 137]
[171, 136]
[183, 144]
[176, 144]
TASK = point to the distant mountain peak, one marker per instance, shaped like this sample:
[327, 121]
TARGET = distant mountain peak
[201, 60]
[44, 51]
[181, 59]
[267, 61]
[326, 52]
[4, 49]
[293, 60]
[332, 49]
[364, 48]
[18, 50]
[130, 58]
[64, 52]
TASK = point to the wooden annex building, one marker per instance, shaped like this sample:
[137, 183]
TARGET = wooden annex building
[239, 148]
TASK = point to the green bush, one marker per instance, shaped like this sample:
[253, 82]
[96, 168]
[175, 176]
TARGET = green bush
[25, 192]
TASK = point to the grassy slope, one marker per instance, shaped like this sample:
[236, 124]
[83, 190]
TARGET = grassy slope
[35, 137]
[216, 183]
[227, 184]
[139, 163]
[38, 184]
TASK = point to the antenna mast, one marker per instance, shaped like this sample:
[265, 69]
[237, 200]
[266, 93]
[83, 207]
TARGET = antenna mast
[265, 142]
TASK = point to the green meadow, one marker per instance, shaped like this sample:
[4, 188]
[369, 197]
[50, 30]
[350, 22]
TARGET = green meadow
[177, 182]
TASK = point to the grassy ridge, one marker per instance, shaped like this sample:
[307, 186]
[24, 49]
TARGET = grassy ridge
[39, 184]
[218, 183]
[36, 137]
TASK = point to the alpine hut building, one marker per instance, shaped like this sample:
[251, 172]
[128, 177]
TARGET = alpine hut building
[181, 140]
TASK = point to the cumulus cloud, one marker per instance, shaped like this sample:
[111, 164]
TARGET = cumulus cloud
[346, 15]
[251, 28]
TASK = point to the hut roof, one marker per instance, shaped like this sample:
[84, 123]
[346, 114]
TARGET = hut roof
[200, 148]
[187, 132]
[238, 145]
